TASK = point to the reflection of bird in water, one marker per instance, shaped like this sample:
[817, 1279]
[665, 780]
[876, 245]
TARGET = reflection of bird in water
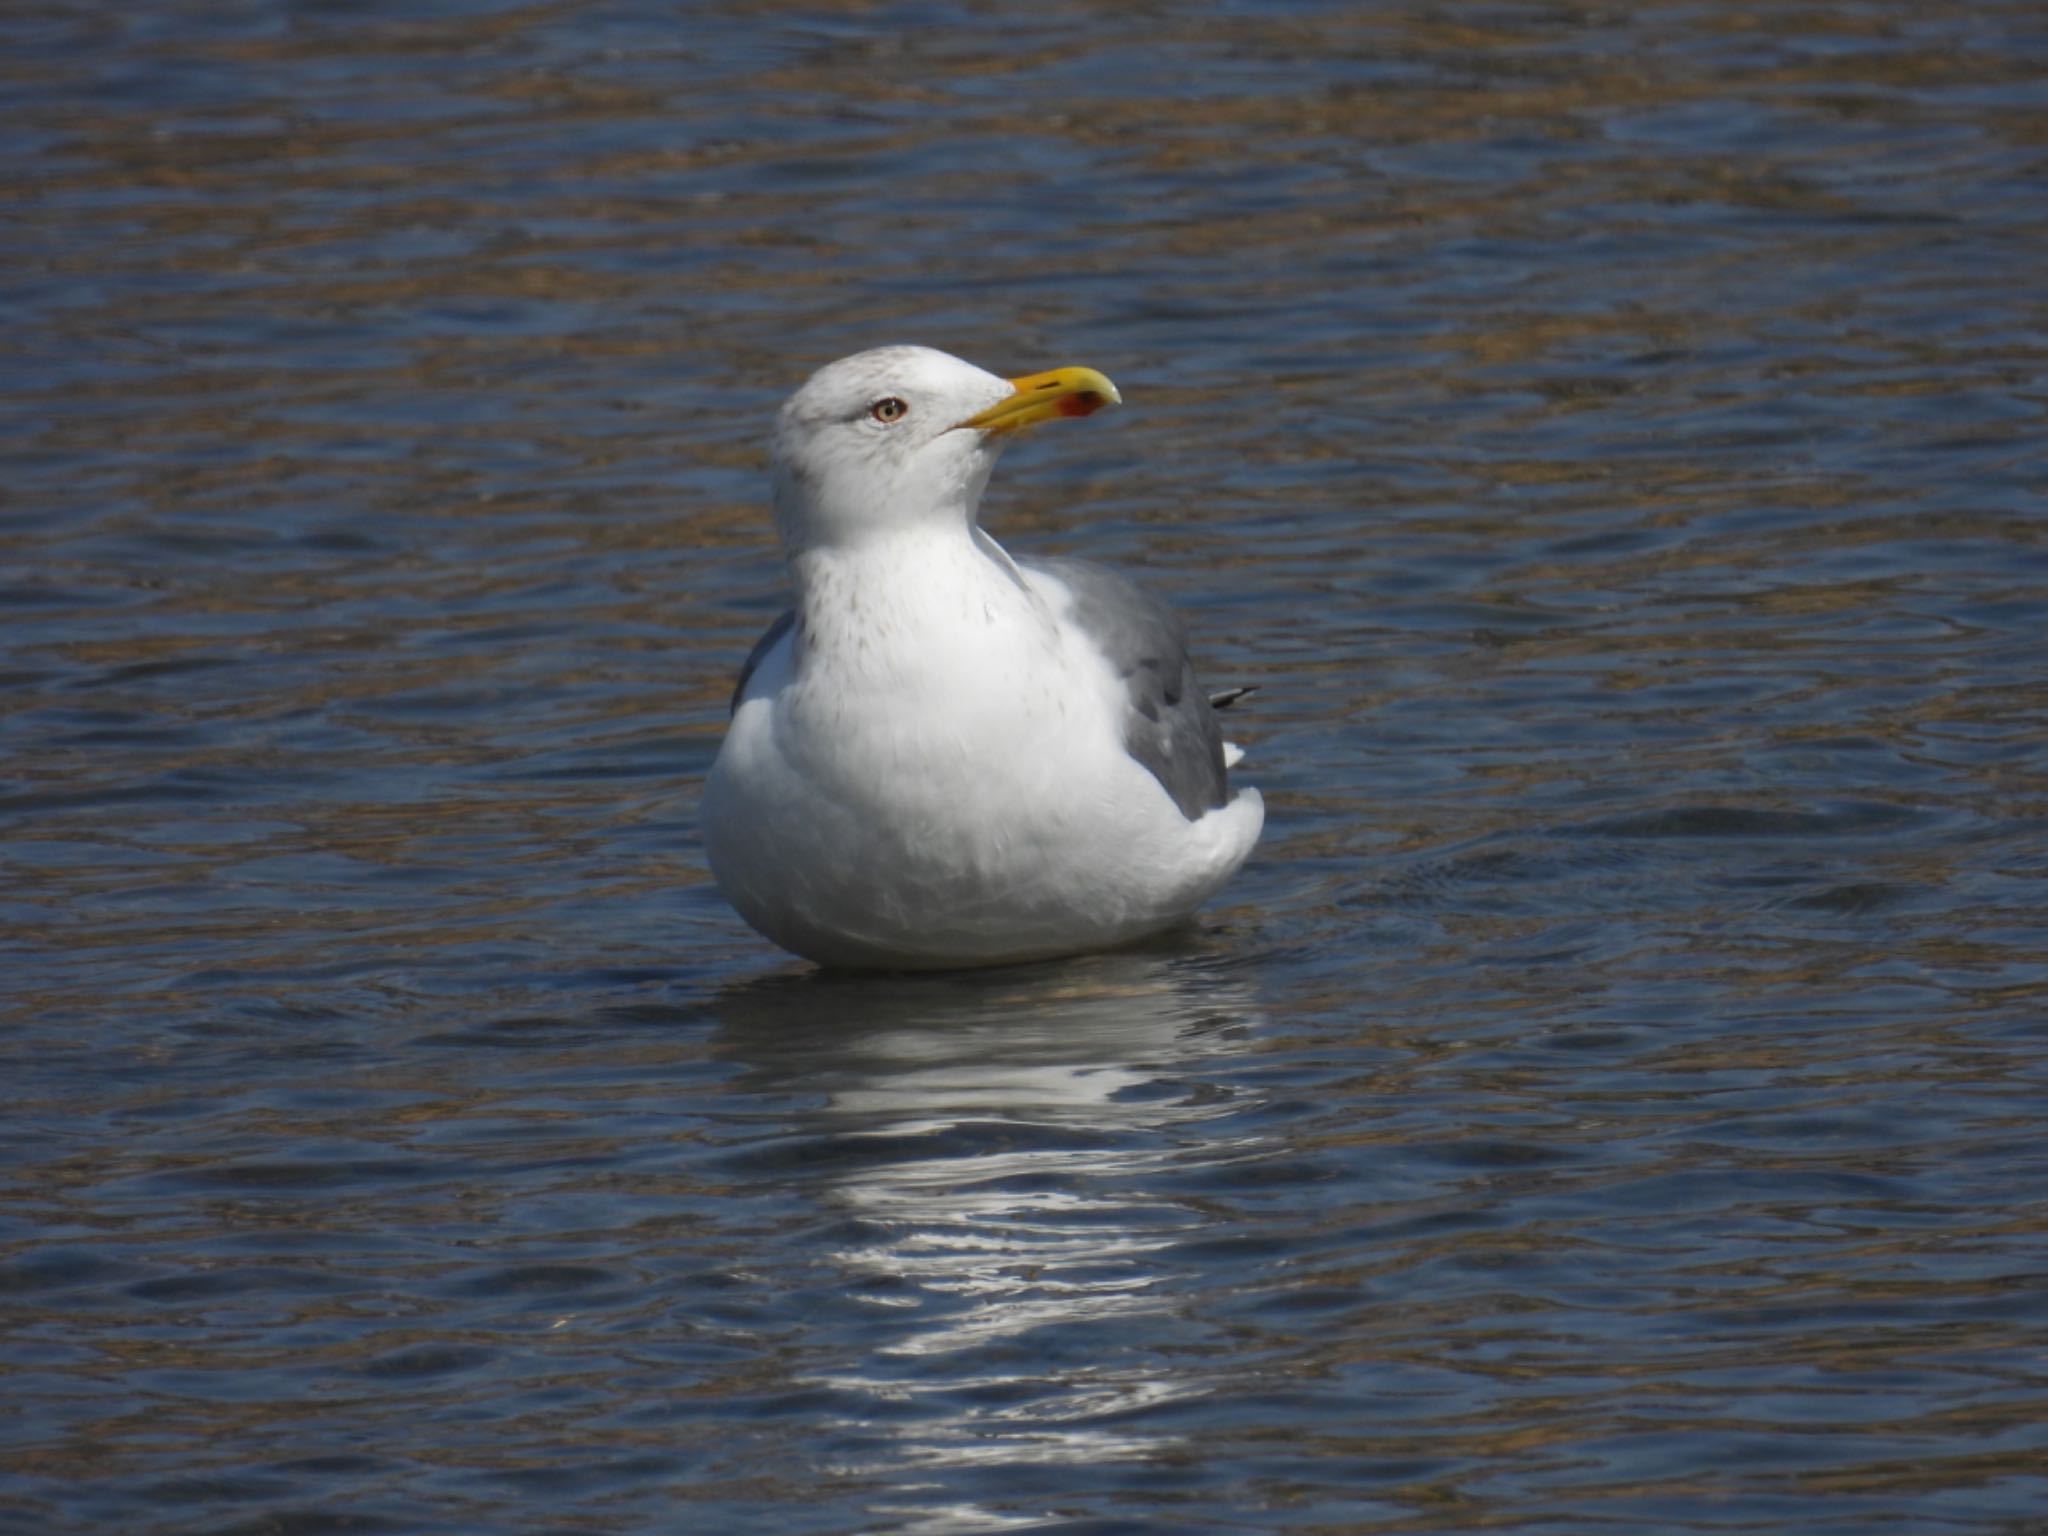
[942, 756]
[1001, 1138]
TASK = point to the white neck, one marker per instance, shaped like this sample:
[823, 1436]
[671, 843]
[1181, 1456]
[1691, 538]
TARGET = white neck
[905, 600]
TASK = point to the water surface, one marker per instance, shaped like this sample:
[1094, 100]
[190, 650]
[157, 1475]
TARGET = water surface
[1611, 1097]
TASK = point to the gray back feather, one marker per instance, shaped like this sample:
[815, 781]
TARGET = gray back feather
[761, 648]
[1169, 726]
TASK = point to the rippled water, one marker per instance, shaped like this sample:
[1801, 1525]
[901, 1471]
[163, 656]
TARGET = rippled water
[1612, 1097]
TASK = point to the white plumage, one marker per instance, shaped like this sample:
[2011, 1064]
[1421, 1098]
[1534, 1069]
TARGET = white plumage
[933, 764]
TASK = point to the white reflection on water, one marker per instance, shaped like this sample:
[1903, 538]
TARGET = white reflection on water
[1014, 1151]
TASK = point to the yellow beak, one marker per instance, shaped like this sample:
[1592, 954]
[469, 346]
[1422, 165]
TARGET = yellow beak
[1041, 396]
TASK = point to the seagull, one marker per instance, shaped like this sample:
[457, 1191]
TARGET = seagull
[943, 757]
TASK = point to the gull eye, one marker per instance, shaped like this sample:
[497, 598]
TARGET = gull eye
[888, 409]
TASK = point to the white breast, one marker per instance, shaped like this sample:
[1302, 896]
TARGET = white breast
[929, 771]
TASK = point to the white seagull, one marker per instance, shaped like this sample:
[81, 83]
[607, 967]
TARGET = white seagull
[944, 757]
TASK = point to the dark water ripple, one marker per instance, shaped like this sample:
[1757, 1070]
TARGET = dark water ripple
[1610, 1100]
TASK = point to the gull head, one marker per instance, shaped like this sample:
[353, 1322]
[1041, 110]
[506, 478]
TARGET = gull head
[899, 437]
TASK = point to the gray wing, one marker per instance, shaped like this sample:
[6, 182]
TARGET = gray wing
[761, 648]
[1169, 726]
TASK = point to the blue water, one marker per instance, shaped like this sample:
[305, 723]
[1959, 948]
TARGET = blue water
[1609, 1100]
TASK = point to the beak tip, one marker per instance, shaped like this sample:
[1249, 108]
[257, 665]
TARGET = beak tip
[1039, 397]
